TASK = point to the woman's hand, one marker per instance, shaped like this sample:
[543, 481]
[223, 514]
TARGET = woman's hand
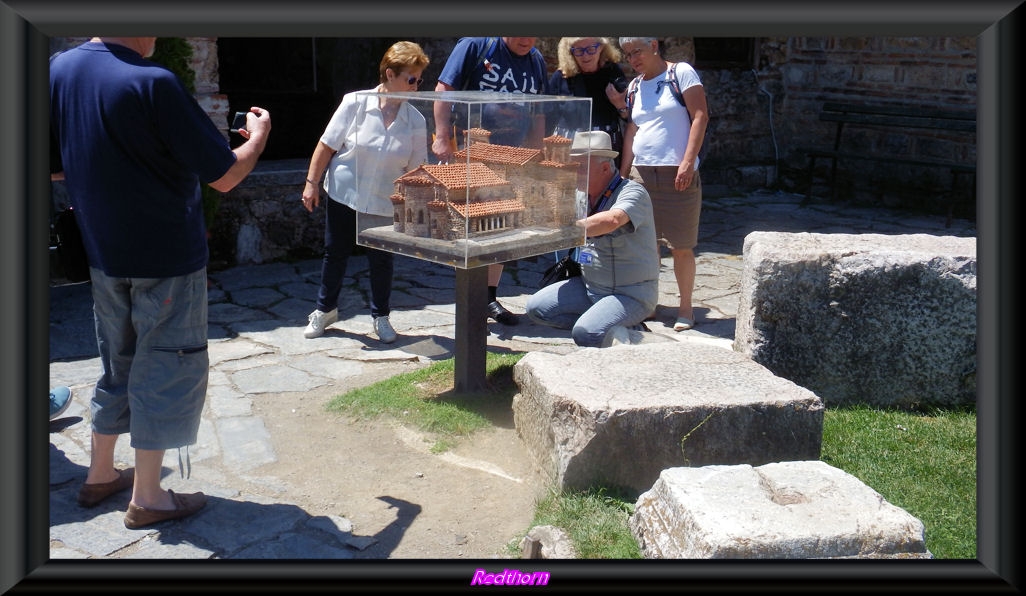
[617, 98]
[311, 196]
[685, 174]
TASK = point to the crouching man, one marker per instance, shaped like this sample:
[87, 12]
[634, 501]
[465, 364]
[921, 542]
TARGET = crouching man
[619, 283]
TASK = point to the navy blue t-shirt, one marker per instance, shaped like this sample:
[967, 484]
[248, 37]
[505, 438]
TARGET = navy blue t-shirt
[505, 72]
[135, 146]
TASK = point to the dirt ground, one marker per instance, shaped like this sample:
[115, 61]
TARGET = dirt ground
[403, 501]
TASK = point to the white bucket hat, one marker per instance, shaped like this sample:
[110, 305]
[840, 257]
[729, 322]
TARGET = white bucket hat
[592, 142]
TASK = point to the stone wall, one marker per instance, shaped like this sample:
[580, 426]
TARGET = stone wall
[262, 219]
[205, 65]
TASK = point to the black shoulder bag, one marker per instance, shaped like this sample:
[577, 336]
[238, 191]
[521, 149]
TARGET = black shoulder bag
[564, 268]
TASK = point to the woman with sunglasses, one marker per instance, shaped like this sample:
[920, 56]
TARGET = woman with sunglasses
[588, 67]
[392, 140]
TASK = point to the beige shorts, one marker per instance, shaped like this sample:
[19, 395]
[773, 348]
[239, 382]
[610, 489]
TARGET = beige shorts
[676, 212]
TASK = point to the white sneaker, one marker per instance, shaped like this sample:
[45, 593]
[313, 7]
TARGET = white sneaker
[617, 335]
[383, 328]
[319, 321]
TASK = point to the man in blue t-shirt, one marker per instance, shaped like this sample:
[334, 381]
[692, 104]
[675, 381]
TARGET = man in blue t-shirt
[504, 65]
[134, 148]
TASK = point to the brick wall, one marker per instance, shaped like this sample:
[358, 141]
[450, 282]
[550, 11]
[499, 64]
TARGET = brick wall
[926, 72]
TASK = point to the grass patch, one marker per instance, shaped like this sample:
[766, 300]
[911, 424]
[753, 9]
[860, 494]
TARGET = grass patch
[924, 463]
[425, 399]
[595, 521]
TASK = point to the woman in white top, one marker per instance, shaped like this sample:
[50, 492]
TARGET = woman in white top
[662, 142]
[392, 140]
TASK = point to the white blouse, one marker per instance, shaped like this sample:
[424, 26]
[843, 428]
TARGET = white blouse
[369, 157]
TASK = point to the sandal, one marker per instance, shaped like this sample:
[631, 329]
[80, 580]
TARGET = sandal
[683, 324]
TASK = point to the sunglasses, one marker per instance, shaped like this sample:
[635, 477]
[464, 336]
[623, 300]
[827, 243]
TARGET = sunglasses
[413, 80]
[585, 50]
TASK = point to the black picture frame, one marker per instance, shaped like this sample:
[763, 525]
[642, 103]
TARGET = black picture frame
[24, 29]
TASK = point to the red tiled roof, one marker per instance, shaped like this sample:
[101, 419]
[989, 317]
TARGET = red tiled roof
[487, 152]
[461, 175]
[483, 208]
[557, 140]
[418, 177]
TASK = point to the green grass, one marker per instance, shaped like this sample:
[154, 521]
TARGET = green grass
[595, 521]
[924, 463]
[425, 399]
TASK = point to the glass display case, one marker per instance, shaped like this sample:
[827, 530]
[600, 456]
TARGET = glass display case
[509, 190]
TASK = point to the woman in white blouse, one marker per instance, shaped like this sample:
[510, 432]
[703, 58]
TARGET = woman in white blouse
[392, 140]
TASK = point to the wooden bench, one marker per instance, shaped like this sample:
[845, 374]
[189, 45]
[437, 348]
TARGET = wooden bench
[895, 118]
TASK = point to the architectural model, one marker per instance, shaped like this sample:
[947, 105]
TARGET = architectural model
[489, 189]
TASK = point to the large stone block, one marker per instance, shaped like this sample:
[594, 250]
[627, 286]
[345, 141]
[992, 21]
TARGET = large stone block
[616, 417]
[863, 318]
[784, 510]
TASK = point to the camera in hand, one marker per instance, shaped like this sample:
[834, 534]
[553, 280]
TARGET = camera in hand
[238, 122]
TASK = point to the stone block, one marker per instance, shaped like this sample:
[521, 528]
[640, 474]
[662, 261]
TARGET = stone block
[882, 320]
[547, 542]
[784, 510]
[616, 417]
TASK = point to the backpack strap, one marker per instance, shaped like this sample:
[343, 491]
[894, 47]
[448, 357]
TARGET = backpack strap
[671, 80]
[632, 90]
[483, 58]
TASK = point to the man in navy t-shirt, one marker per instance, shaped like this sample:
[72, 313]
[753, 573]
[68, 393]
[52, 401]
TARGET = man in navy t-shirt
[134, 148]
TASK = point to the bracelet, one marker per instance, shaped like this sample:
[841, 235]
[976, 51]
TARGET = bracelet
[311, 182]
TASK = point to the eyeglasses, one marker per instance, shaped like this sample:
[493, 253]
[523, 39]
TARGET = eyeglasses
[585, 50]
[413, 80]
[634, 54]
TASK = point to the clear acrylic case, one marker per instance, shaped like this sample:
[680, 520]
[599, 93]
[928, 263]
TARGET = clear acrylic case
[509, 191]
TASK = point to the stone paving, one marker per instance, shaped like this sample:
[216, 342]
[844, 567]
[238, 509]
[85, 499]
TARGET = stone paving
[256, 318]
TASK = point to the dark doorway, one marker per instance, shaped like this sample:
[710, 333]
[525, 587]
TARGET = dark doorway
[299, 80]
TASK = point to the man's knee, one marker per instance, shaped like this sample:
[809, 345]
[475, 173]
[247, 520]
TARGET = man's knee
[585, 337]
